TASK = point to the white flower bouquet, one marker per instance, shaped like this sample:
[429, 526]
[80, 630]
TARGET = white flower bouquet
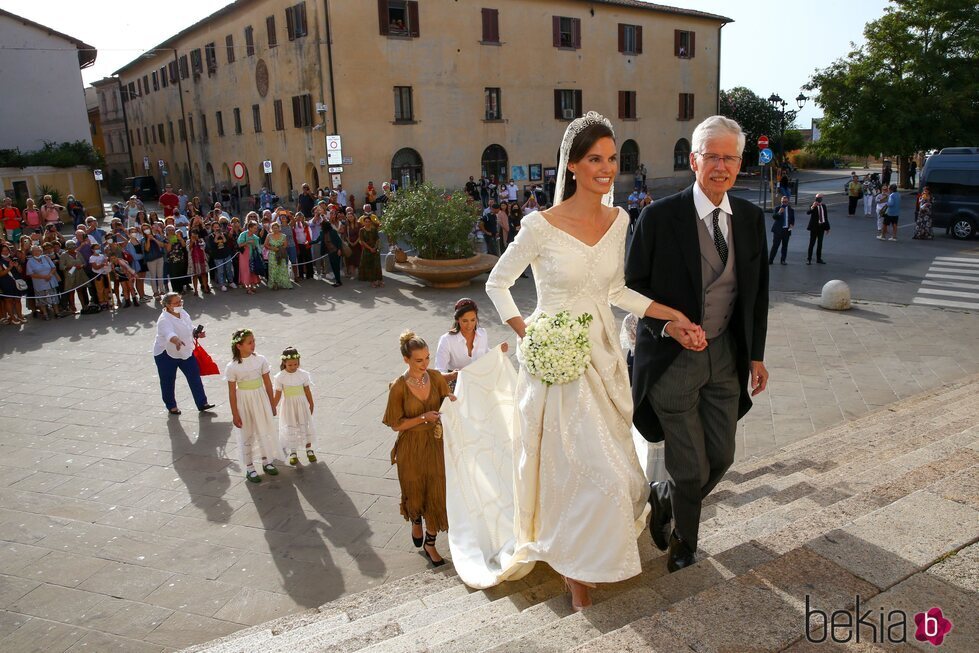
[557, 349]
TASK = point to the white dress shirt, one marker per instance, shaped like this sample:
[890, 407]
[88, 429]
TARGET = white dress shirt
[169, 326]
[705, 211]
[453, 353]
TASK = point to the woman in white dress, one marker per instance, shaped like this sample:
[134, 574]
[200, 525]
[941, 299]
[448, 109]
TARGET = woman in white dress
[464, 343]
[252, 408]
[579, 495]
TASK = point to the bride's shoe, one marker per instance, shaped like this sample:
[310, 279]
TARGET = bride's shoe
[576, 606]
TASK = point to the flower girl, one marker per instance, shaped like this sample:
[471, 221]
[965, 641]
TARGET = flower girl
[291, 386]
[252, 406]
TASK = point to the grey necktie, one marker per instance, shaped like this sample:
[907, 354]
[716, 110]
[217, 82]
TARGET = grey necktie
[719, 241]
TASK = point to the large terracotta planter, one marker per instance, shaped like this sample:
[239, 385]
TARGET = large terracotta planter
[447, 273]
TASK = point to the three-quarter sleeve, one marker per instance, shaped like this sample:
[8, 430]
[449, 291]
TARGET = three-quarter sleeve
[621, 295]
[394, 414]
[518, 255]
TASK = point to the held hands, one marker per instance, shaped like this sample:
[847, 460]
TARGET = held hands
[504, 347]
[690, 336]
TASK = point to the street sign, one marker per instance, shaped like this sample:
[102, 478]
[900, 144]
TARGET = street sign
[348, 160]
[146, 163]
[238, 170]
[160, 163]
[765, 156]
[762, 142]
[98, 175]
[267, 166]
[336, 170]
[335, 180]
[334, 150]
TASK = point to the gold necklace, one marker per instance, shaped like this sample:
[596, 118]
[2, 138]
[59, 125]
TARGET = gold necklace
[418, 383]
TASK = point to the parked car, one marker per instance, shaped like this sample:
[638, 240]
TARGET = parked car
[952, 176]
[144, 188]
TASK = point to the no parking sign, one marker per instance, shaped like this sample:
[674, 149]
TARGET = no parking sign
[334, 150]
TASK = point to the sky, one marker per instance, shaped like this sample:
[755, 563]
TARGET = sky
[772, 47]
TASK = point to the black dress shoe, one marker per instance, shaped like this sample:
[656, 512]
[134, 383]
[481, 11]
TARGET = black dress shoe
[783, 262]
[821, 261]
[680, 555]
[661, 514]
[206, 407]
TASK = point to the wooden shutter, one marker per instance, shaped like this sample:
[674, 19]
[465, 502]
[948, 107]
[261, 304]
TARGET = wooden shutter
[496, 25]
[413, 18]
[689, 105]
[679, 111]
[557, 104]
[290, 24]
[576, 31]
[577, 104]
[382, 16]
[638, 39]
[491, 25]
[487, 31]
[693, 44]
[676, 43]
[556, 28]
[296, 111]
[621, 39]
[622, 102]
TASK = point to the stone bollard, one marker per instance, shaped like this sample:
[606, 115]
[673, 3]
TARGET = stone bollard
[836, 296]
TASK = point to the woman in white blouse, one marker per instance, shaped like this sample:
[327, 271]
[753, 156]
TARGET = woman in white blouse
[173, 350]
[465, 342]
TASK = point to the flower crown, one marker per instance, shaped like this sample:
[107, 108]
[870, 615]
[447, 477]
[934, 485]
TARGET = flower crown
[241, 335]
[289, 357]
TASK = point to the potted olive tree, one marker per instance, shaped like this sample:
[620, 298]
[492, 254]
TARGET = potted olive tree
[438, 225]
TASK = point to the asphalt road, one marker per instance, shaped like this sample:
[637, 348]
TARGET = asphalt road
[875, 270]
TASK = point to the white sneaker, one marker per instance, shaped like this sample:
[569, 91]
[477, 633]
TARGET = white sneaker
[224, 289]
[233, 284]
[894, 239]
[879, 237]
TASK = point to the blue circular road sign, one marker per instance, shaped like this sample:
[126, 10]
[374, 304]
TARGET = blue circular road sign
[765, 156]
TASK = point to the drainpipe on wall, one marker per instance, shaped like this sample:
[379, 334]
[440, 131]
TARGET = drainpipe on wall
[183, 116]
[719, 67]
[125, 124]
[329, 57]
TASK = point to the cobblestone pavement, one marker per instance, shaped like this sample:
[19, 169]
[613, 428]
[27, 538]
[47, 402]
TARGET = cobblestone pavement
[123, 529]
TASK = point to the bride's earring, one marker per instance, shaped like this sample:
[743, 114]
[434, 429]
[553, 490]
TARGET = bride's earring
[574, 177]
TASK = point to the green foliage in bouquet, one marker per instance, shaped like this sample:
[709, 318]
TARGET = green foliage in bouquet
[437, 223]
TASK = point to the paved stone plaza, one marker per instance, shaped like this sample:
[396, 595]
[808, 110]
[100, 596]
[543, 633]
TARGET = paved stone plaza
[123, 529]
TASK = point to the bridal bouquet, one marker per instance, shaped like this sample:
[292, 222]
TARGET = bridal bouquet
[556, 349]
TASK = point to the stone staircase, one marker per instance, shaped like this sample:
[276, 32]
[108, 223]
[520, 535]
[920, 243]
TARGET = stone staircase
[884, 508]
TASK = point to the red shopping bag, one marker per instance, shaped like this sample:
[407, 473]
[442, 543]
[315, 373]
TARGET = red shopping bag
[204, 361]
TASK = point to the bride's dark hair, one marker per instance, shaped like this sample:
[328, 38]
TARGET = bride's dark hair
[583, 142]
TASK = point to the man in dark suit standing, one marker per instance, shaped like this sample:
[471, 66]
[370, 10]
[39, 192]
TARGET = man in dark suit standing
[818, 227]
[782, 222]
[702, 252]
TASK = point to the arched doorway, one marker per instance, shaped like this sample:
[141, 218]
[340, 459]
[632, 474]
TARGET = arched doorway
[197, 182]
[494, 163]
[629, 158]
[211, 181]
[312, 176]
[681, 155]
[407, 168]
[226, 174]
[285, 182]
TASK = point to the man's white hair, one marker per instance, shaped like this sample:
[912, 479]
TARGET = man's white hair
[713, 127]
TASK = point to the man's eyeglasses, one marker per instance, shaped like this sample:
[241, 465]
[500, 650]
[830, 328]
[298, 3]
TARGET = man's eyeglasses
[714, 159]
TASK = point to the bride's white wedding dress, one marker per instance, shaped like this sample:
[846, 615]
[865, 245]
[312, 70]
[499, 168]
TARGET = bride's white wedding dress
[538, 473]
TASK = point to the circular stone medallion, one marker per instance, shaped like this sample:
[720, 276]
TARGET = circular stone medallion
[262, 77]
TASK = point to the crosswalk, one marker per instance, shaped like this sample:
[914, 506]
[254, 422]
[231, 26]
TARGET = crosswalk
[951, 282]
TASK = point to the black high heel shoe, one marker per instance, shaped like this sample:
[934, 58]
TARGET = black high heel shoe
[417, 541]
[430, 541]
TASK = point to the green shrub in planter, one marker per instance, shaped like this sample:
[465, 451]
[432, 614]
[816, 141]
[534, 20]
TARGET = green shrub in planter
[437, 223]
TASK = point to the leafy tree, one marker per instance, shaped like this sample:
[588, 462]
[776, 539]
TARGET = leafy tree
[911, 87]
[58, 155]
[757, 116]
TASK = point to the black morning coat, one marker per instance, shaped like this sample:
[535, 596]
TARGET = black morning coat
[663, 263]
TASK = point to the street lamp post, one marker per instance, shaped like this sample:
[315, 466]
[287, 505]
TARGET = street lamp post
[785, 117]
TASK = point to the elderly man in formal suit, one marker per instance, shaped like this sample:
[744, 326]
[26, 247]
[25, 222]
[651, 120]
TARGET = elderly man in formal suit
[782, 222]
[702, 252]
[817, 228]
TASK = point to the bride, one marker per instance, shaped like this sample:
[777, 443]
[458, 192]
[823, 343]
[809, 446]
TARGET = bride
[576, 496]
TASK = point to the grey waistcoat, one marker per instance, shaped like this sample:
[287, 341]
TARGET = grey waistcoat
[720, 282]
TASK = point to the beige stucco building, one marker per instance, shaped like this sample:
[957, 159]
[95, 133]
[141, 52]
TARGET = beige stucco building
[433, 89]
[115, 137]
